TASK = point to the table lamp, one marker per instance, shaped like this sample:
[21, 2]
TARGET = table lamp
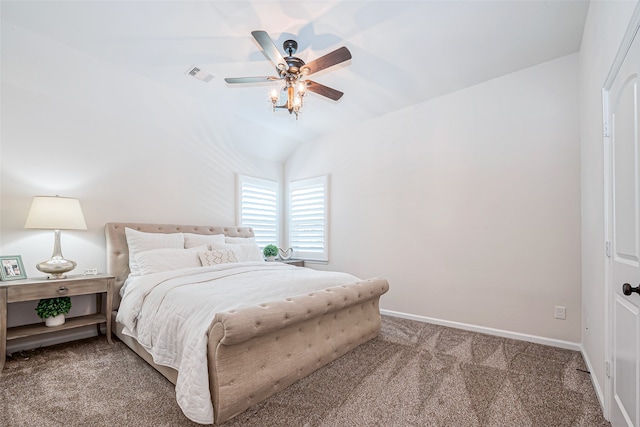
[56, 213]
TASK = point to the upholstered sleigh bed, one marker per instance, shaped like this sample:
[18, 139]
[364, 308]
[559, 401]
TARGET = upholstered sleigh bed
[256, 350]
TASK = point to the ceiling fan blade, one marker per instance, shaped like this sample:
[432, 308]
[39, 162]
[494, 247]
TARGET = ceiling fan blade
[324, 90]
[326, 61]
[250, 79]
[270, 50]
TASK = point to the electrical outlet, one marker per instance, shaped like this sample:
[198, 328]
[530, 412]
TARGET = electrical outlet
[560, 312]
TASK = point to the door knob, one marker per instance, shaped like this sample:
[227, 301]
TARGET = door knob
[627, 289]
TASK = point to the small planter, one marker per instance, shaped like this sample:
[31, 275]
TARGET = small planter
[270, 252]
[55, 320]
[52, 310]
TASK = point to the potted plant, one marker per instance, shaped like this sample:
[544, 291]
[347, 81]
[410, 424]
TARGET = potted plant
[52, 310]
[270, 252]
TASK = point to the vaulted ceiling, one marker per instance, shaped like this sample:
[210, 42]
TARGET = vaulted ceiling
[404, 52]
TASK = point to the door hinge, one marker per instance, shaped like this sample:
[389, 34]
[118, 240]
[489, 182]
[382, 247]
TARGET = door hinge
[607, 368]
[605, 129]
[607, 248]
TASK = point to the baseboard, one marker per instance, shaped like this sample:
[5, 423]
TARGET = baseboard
[594, 380]
[490, 331]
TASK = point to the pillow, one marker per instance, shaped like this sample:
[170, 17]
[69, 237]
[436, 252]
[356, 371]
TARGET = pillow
[191, 239]
[166, 259]
[243, 253]
[139, 241]
[240, 240]
[218, 256]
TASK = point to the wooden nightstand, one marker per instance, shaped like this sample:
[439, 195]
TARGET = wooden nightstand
[296, 262]
[35, 289]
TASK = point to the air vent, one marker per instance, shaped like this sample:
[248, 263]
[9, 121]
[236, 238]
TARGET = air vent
[199, 74]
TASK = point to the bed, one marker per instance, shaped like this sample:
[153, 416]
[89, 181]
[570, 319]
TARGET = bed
[257, 347]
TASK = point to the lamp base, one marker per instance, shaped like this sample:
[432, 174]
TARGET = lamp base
[56, 267]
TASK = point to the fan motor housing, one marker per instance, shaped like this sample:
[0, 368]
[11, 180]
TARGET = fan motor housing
[295, 64]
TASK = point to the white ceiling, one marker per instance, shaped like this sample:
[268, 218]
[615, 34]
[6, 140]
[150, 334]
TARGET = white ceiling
[404, 52]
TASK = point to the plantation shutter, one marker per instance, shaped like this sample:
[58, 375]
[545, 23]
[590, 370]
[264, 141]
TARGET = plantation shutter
[308, 213]
[259, 209]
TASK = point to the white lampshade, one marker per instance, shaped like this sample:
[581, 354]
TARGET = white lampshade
[55, 213]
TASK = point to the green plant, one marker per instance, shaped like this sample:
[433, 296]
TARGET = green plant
[270, 250]
[51, 307]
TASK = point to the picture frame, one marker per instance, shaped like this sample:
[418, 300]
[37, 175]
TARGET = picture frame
[11, 268]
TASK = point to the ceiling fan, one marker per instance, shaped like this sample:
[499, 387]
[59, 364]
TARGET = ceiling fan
[293, 71]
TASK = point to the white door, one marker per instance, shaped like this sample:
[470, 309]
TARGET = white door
[624, 214]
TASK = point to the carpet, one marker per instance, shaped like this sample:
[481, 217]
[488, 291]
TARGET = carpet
[413, 374]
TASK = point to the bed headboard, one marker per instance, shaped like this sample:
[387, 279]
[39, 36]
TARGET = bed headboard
[118, 251]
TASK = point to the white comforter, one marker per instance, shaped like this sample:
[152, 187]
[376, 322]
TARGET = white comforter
[169, 314]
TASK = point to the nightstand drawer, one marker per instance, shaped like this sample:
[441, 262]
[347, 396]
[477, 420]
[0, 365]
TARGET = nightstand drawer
[52, 289]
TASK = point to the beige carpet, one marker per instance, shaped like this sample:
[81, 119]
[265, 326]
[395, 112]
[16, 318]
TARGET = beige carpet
[413, 374]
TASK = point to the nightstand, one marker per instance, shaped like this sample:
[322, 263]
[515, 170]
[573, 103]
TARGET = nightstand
[35, 289]
[296, 262]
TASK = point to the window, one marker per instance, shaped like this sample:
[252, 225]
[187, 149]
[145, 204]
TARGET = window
[308, 214]
[258, 208]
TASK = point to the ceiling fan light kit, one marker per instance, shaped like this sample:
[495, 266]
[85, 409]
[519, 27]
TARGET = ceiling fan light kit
[293, 71]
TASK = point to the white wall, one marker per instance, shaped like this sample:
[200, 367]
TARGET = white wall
[604, 30]
[77, 127]
[469, 204]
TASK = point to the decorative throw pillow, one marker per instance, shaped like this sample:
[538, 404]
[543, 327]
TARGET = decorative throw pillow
[166, 259]
[191, 239]
[218, 256]
[243, 253]
[139, 241]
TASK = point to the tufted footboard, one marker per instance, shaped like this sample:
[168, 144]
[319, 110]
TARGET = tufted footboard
[256, 351]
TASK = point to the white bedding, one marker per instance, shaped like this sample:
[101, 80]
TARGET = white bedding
[169, 314]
